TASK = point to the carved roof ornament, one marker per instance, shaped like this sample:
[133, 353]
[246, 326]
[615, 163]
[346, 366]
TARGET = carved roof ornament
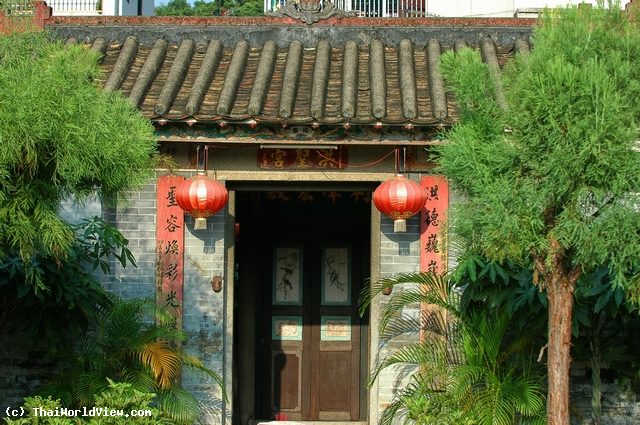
[310, 11]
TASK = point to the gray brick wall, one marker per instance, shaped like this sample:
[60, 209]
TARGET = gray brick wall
[620, 405]
[203, 319]
[135, 217]
[399, 253]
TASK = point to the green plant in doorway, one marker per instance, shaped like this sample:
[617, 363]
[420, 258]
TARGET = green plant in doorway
[460, 368]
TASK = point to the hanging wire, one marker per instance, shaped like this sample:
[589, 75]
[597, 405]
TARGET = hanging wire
[397, 164]
[366, 164]
[198, 159]
[206, 158]
[404, 159]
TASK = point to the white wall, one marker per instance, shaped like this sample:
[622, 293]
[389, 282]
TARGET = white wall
[109, 7]
[489, 8]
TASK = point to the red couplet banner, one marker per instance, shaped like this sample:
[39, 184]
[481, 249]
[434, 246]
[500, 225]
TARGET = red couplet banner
[433, 254]
[170, 246]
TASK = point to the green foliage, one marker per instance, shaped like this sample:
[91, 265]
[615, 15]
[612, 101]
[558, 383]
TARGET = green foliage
[178, 8]
[506, 287]
[248, 8]
[136, 343]
[123, 397]
[68, 298]
[119, 399]
[462, 369]
[555, 170]
[546, 160]
[210, 8]
[605, 321]
[31, 404]
[61, 137]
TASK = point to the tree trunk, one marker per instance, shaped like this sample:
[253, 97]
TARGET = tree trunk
[560, 294]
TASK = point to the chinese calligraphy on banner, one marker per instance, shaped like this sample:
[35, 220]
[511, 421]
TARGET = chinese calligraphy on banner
[433, 255]
[170, 246]
[433, 252]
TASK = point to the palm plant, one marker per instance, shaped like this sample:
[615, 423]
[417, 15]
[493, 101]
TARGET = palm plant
[460, 368]
[137, 343]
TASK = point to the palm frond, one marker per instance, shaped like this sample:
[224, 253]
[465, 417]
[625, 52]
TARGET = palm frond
[179, 405]
[162, 361]
[136, 343]
[460, 367]
[416, 354]
[86, 386]
[140, 379]
[401, 327]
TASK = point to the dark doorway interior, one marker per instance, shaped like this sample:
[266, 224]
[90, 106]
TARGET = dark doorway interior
[301, 349]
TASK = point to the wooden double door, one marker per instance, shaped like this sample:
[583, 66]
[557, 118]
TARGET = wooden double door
[312, 335]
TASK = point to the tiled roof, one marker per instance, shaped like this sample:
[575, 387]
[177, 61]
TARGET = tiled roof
[355, 83]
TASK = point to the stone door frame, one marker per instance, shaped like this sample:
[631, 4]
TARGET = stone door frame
[344, 179]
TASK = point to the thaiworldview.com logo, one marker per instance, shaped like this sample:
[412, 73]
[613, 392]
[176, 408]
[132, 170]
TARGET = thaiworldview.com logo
[91, 412]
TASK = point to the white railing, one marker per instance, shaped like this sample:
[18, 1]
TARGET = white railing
[76, 7]
[368, 8]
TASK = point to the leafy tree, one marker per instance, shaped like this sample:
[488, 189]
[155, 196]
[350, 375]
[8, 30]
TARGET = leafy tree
[209, 8]
[604, 320]
[547, 160]
[176, 8]
[249, 8]
[206, 8]
[61, 137]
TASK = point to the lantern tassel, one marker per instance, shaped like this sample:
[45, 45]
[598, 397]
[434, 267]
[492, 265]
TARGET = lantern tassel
[400, 225]
[200, 224]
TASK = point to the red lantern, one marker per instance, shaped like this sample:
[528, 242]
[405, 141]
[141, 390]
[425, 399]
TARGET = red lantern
[399, 198]
[201, 197]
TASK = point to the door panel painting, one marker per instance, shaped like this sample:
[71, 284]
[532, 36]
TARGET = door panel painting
[315, 337]
[287, 279]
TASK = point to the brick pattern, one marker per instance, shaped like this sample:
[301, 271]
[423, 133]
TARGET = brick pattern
[135, 217]
[399, 253]
[203, 319]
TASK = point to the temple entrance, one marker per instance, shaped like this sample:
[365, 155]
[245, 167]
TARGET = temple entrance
[301, 347]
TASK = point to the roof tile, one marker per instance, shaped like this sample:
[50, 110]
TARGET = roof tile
[355, 83]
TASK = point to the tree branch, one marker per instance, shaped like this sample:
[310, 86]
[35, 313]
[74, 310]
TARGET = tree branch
[574, 275]
[541, 354]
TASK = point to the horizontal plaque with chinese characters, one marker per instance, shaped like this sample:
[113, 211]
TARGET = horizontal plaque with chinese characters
[302, 158]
